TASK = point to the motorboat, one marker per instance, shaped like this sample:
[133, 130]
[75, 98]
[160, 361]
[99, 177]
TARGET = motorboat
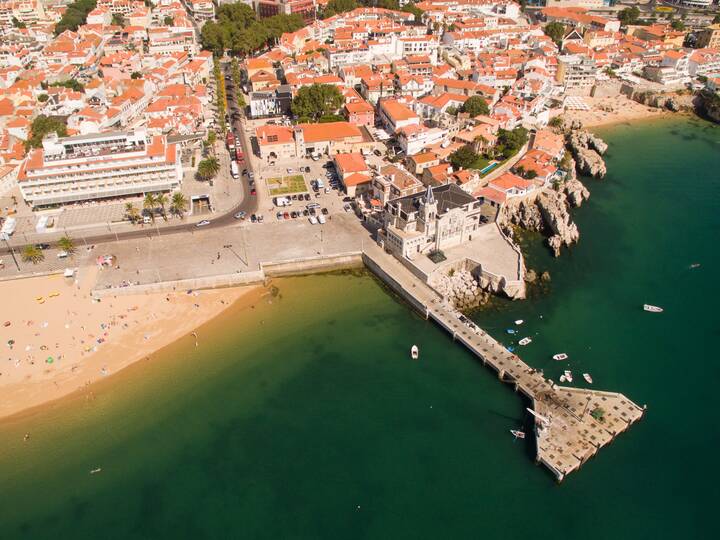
[517, 433]
[652, 309]
[560, 356]
[414, 352]
[562, 378]
[525, 341]
[95, 471]
[519, 322]
[510, 331]
[587, 377]
[568, 375]
[695, 265]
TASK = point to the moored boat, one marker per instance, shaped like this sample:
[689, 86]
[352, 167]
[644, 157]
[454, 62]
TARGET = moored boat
[414, 352]
[95, 471]
[525, 341]
[517, 433]
[560, 356]
[568, 375]
[652, 309]
[587, 377]
[519, 321]
[511, 331]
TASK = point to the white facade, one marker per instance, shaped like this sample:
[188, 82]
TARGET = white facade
[98, 166]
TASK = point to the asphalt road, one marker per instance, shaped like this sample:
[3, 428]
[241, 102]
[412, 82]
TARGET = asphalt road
[249, 204]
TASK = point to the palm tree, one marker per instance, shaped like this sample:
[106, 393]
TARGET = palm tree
[161, 200]
[67, 245]
[149, 204]
[179, 204]
[32, 254]
[208, 168]
[131, 212]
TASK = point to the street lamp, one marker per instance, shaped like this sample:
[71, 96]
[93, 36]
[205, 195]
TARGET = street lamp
[12, 251]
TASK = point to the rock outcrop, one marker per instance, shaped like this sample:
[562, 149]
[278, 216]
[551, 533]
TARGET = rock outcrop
[574, 189]
[555, 214]
[460, 289]
[707, 104]
[587, 149]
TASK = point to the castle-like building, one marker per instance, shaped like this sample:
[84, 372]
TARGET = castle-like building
[440, 218]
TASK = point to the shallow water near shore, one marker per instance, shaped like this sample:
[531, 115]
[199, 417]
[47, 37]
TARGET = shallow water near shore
[304, 417]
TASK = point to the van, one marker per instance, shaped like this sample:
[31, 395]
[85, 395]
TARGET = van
[62, 255]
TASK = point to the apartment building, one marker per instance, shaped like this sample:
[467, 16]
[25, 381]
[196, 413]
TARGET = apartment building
[576, 73]
[98, 166]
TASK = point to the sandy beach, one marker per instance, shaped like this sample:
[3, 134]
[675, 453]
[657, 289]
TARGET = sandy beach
[613, 110]
[55, 339]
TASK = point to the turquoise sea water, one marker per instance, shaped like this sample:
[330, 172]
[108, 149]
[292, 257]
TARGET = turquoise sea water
[305, 418]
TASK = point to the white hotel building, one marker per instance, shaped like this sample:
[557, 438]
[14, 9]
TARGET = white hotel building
[98, 166]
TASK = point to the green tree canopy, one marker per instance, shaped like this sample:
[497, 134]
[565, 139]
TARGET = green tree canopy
[75, 15]
[168, 20]
[463, 158]
[72, 84]
[629, 15]
[475, 105]
[238, 29]
[510, 142]
[339, 6]
[316, 101]
[41, 126]
[18, 24]
[118, 20]
[677, 24]
[555, 31]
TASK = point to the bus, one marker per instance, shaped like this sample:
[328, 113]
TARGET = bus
[234, 170]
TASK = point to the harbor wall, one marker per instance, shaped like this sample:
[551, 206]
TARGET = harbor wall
[406, 295]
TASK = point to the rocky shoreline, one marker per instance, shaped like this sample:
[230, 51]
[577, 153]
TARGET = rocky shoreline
[548, 211]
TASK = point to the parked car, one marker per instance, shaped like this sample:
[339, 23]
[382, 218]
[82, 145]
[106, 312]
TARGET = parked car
[253, 218]
[279, 216]
[307, 196]
[286, 215]
[305, 213]
[240, 215]
[293, 214]
[325, 211]
[377, 152]
[253, 191]
[42, 246]
[203, 223]
[347, 199]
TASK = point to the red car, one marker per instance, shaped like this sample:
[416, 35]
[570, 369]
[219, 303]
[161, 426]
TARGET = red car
[253, 192]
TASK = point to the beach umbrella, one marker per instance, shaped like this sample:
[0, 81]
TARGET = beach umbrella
[49, 360]
[11, 342]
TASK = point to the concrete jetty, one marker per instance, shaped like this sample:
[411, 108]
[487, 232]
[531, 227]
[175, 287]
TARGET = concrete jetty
[568, 434]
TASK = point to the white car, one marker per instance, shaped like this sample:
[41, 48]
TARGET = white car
[203, 223]
[313, 220]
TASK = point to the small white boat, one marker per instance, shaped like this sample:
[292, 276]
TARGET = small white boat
[560, 356]
[695, 265]
[517, 433]
[652, 309]
[587, 377]
[562, 378]
[525, 341]
[414, 352]
[519, 321]
[95, 471]
[568, 375]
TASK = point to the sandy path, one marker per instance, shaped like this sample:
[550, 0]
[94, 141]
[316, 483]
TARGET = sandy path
[59, 339]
